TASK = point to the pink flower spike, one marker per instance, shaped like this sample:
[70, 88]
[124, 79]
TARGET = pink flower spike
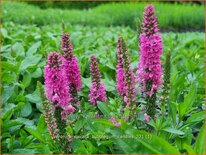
[71, 68]
[72, 72]
[55, 81]
[146, 117]
[149, 67]
[70, 63]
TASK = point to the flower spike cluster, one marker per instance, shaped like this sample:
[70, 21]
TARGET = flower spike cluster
[124, 74]
[149, 69]
[97, 89]
[71, 68]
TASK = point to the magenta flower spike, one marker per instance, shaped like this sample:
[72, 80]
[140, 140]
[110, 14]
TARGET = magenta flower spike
[55, 81]
[97, 89]
[124, 74]
[56, 84]
[71, 67]
[149, 70]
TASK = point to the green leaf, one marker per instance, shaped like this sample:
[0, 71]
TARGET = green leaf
[185, 106]
[26, 79]
[79, 147]
[104, 122]
[86, 81]
[7, 125]
[23, 151]
[79, 125]
[173, 131]
[10, 66]
[30, 61]
[152, 142]
[34, 132]
[40, 148]
[103, 108]
[157, 143]
[5, 33]
[89, 146]
[35, 98]
[196, 118]
[69, 130]
[128, 145]
[33, 48]
[109, 84]
[41, 125]
[189, 148]
[26, 110]
[7, 92]
[37, 73]
[25, 121]
[200, 142]
[8, 111]
[18, 49]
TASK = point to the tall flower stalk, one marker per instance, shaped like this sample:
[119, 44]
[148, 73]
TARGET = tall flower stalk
[164, 100]
[124, 74]
[56, 90]
[97, 89]
[71, 68]
[48, 112]
[149, 70]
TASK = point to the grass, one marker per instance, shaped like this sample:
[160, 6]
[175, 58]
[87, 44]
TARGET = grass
[172, 17]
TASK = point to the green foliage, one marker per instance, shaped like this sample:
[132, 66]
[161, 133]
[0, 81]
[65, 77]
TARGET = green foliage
[200, 143]
[24, 129]
[67, 4]
[180, 17]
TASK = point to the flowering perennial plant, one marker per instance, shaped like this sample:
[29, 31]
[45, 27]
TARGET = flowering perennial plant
[149, 70]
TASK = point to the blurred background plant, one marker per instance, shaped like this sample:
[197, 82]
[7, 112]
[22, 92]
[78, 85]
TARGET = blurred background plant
[181, 17]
